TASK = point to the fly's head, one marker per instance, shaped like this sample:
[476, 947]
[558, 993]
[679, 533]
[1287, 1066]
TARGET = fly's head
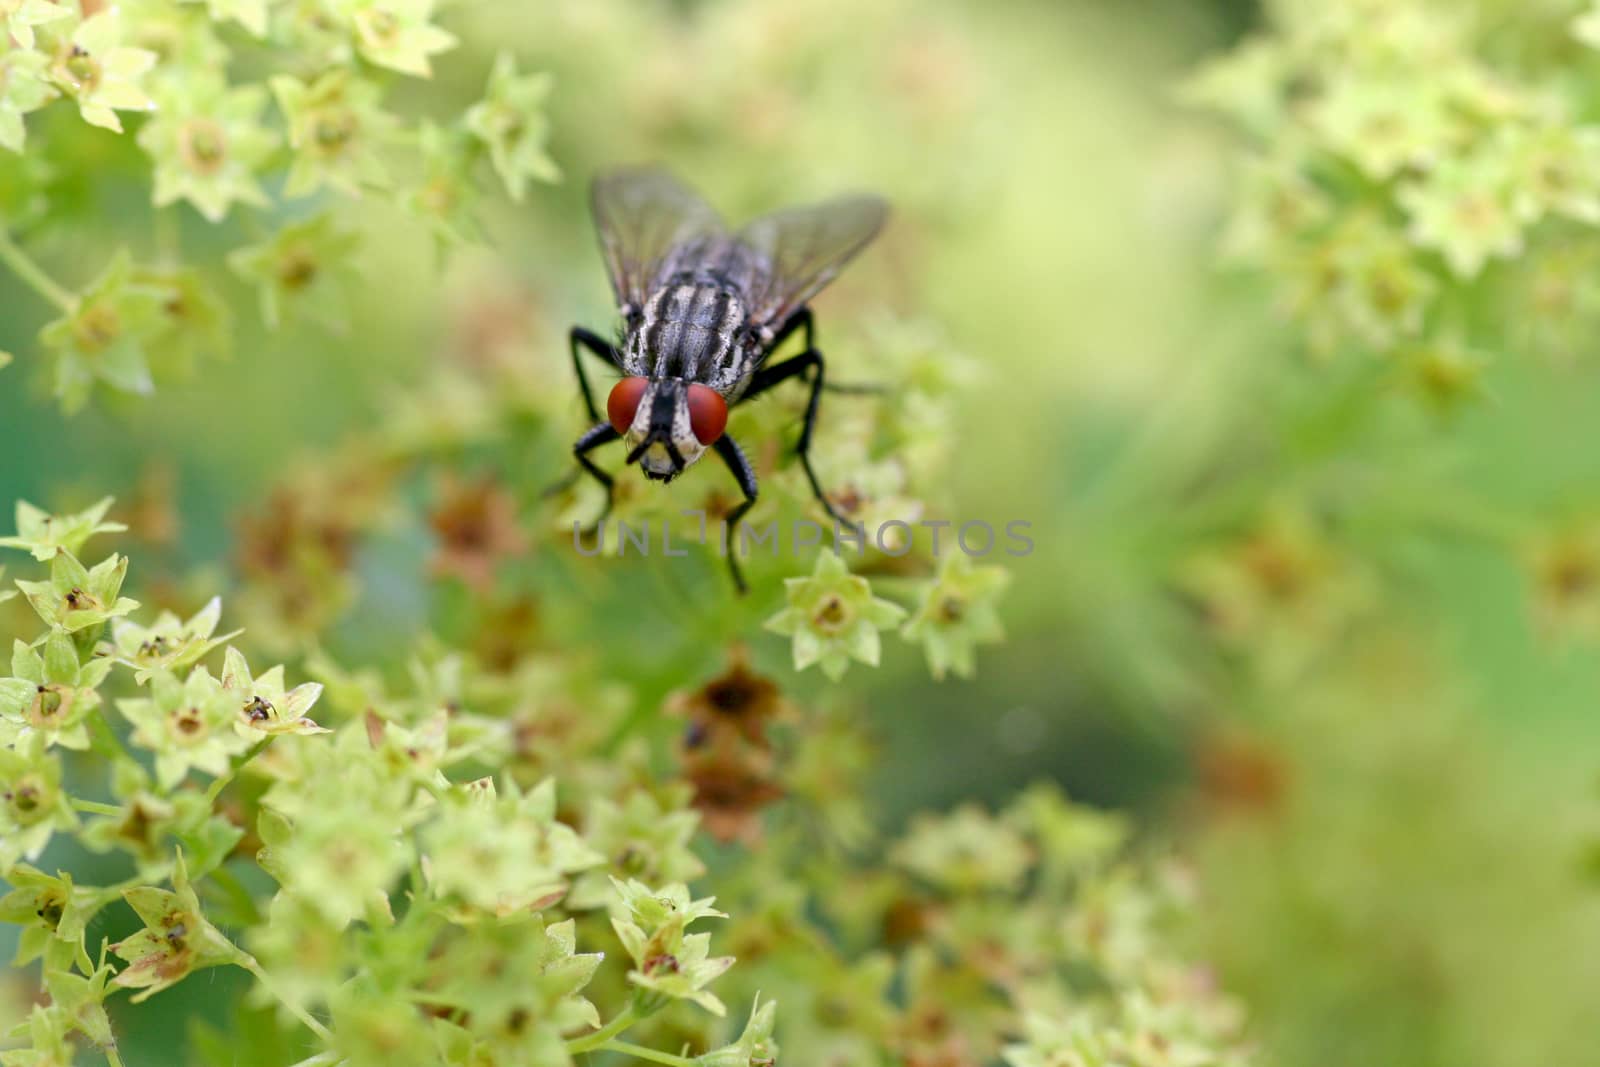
[667, 423]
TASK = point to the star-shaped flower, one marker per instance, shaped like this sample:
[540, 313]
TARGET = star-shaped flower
[74, 598]
[336, 128]
[207, 143]
[24, 87]
[50, 694]
[957, 614]
[186, 724]
[169, 643]
[833, 618]
[103, 338]
[44, 534]
[103, 75]
[176, 940]
[19, 17]
[510, 119]
[265, 705]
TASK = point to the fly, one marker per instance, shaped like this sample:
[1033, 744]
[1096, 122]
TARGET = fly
[703, 309]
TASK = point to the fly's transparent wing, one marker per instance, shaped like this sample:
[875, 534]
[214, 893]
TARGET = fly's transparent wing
[803, 249]
[645, 217]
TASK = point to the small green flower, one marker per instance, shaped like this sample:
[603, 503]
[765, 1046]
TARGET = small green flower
[1556, 171]
[44, 534]
[517, 982]
[1075, 1040]
[186, 724]
[176, 941]
[53, 913]
[101, 74]
[503, 854]
[966, 851]
[76, 599]
[19, 17]
[755, 1047]
[833, 618]
[52, 694]
[104, 337]
[336, 129]
[447, 195]
[640, 838]
[81, 1000]
[300, 269]
[266, 706]
[341, 861]
[47, 1046]
[32, 803]
[169, 643]
[1384, 126]
[194, 321]
[510, 120]
[396, 34]
[207, 143]
[667, 961]
[957, 614]
[1464, 209]
[24, 87]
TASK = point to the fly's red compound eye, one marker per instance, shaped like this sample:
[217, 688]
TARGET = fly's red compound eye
[708, 413]
[623, 403]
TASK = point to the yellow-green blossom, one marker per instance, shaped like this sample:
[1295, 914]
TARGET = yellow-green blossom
[50, 694]
[19, 17]
[96, 69]
[337, 129]
[397, 34]
[33, 806]
[956, 614]
[76, 599]
[510, 120]
[103, 337]
[833, 618]
[44, 534]
[266, 706]
[24, 87]
[169, 643]
[176, 940]
[187, 724]
[207, 144]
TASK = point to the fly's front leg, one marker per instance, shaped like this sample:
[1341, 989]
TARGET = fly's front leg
[602, 434]
[808, 361]
[739, 467]
[598, 345]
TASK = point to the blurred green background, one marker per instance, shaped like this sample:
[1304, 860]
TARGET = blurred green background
[1387, 790]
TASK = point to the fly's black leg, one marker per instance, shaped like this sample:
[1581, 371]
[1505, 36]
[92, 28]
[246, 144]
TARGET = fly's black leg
[766, 378]
[600, 347]
[602, 434]
[739, 467]
[803, 320]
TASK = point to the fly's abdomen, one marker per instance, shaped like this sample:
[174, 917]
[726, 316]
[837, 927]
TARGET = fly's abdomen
[692, 331]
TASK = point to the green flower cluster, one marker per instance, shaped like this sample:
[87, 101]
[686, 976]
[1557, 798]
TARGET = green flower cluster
[463, 871]
[1417, 188]
[248, 152]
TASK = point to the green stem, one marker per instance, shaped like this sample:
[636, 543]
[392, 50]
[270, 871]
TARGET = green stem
[94, 807]
[639, 1052]
[113, 1058]
[23, 266]
[312, 1023]
[222, 780]
[589, 1042]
